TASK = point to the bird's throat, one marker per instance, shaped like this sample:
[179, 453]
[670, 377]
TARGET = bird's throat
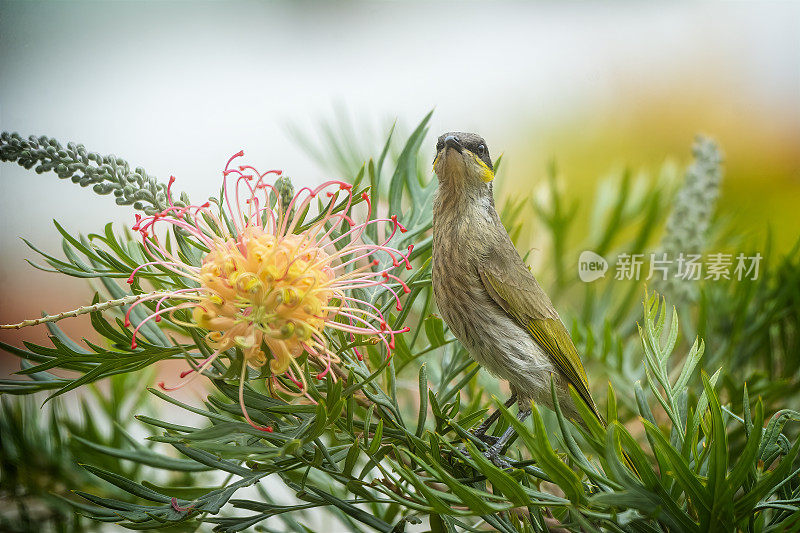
[464, 217]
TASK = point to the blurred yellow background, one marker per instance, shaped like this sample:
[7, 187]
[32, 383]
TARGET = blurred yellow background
[645, 129]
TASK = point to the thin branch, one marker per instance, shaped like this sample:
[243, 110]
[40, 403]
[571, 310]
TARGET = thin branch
[102, 306]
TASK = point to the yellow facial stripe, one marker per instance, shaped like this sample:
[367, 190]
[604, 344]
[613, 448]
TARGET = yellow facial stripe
[434, 162]
[486, 173]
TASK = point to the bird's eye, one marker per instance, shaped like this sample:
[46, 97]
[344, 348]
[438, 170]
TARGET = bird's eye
[481, 149]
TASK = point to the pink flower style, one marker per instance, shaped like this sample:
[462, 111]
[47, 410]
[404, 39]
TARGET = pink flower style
[267, 282]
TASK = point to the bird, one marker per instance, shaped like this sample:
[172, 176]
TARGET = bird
[489, 298]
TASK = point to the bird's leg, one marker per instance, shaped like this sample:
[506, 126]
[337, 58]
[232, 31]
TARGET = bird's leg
[493, 453]
[484, 427]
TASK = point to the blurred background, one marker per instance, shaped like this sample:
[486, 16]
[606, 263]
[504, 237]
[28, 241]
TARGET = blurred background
[178, 89]
[599, 89]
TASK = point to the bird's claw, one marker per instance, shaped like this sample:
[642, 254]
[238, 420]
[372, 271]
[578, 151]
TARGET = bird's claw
[493, 454]
[489, 440]
[462, 451]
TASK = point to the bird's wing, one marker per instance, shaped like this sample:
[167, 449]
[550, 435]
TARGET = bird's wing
[514, 288]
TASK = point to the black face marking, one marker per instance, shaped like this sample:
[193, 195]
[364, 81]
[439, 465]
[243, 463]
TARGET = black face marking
[470, 141]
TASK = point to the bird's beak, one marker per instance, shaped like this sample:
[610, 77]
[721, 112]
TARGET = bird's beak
[452, 142]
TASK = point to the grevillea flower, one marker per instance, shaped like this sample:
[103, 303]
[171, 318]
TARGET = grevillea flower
[270, 283]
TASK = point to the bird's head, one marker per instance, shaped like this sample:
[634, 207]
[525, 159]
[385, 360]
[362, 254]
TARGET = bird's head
[463, 161]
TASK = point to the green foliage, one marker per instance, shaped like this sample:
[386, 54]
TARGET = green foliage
[753, 325]
[41, 449]
[389, 445]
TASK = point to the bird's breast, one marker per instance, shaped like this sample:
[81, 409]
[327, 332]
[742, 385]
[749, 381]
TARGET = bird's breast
[489, 334]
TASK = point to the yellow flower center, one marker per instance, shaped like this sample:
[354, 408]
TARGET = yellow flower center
[264, 290]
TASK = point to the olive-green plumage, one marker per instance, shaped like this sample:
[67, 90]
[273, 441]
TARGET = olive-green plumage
[486, 293]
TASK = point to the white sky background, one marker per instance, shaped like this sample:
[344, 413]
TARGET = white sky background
[178, 87]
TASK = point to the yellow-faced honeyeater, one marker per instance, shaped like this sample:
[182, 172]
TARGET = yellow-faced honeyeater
[488, 296]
